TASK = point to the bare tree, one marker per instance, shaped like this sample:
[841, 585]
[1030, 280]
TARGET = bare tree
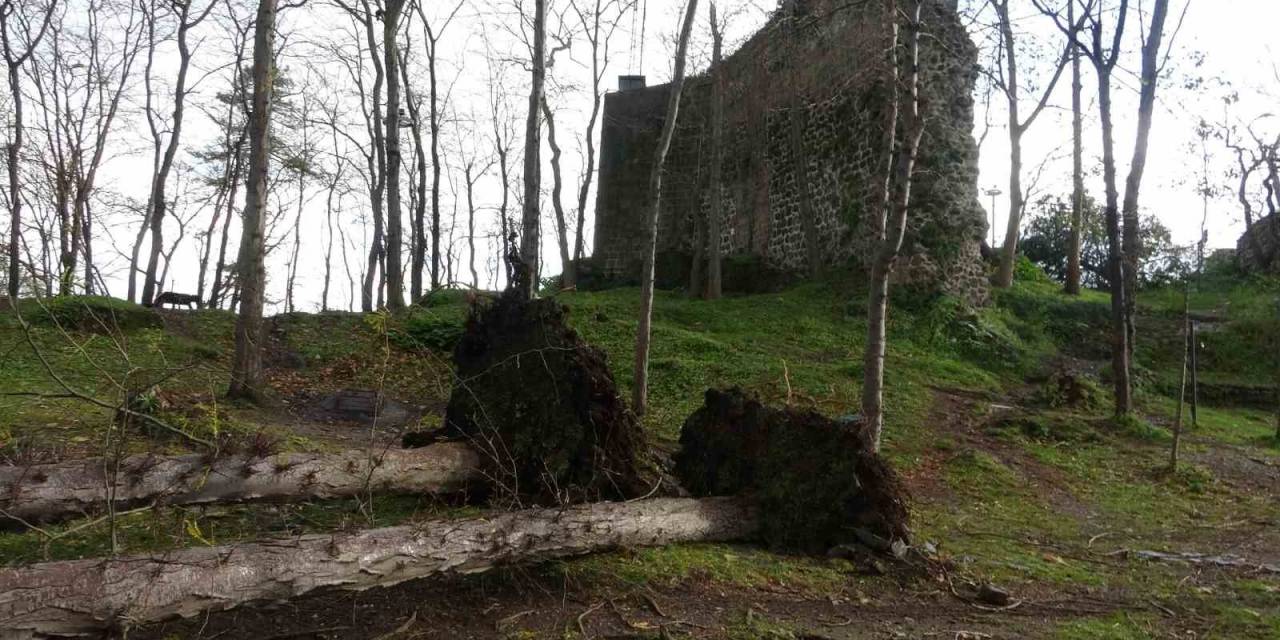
[598, 34]
[1077, 159]
[531, 232]
[395, 274]
[1122, 233]
[715, 212]
[79, 82]
[893, 200]
[246, 366]
[1007, 80]
[557, 188]
[503, 133]
[10, 17]
[640, 386]
[433, 35]
[157, 204]
[371, 104]
[1152, 68]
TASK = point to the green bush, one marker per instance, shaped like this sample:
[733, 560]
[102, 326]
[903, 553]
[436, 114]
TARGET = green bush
[427, 330]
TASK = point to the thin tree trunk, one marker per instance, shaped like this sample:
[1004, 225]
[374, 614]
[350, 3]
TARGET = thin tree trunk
[1182, 381]
[1017, 129]
[158, 196]
[1116, 263]
[435, 165]
[716, 213]
[14, 61]
[84, 596]
[1077, 162]
[394, 271]
[890, 227]
[1146, 111]
[531, 232]
[419, 232]
[471, 225]
[246, 366]
[557, 187]
[640, 386]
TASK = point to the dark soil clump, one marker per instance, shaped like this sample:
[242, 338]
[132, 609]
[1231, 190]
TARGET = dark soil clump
[817, 485]
[542, 407]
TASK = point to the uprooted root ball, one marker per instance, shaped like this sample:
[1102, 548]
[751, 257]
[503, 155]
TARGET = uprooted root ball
[542, 407]
[816, 482]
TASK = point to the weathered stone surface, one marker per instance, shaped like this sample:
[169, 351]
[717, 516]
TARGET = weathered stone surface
[801, 132]
[1258, 247]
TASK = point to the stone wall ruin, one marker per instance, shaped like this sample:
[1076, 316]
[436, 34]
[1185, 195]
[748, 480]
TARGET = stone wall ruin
[801, 135]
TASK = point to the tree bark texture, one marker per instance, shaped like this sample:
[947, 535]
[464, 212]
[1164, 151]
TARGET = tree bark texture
[530, 223]
[246, 366]
[1133, 183]
[395, 274]
[42, 493]
[891, 220]
[557, 188]
[82, 597]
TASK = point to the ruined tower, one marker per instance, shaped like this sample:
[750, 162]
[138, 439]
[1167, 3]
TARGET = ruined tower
[801, 132]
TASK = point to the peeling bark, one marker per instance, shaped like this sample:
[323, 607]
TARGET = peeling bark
[81, 597]
[42, 493]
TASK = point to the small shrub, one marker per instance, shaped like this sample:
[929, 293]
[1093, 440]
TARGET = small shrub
[1134, 427]
[425, 330]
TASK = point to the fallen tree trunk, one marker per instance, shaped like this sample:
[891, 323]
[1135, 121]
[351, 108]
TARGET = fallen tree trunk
[41, 493]
[86, 596]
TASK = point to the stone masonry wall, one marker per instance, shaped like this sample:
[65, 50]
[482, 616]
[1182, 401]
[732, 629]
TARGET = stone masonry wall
[1257, 249]
[801, 135]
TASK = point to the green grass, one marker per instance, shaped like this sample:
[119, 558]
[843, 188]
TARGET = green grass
[1018, 502]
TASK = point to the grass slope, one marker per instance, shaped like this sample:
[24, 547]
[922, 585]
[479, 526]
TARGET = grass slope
[1012, 485]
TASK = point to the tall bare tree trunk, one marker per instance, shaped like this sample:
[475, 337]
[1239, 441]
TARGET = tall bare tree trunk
[1120, 363]
[530, 231]
[14, 61]
[417, 261]
[891, 220]
[435, 166]
[395, 273]
[1017, 129]
[1077, 162]
[640, 387]
[246, 367]
[1146, 111]
[716, 214]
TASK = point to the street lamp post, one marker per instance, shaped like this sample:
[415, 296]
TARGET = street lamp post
[993, 192]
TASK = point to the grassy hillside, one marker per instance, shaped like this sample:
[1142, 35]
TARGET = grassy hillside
[1018, 477]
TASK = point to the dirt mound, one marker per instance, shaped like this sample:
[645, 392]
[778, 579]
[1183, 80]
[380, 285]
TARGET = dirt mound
[542, 407]
[817, 485]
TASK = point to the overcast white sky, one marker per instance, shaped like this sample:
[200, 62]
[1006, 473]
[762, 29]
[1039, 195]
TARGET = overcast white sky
[1234, 37]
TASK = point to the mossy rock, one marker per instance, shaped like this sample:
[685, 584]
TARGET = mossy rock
[95, 314]
[542, 407]
[814, 479]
